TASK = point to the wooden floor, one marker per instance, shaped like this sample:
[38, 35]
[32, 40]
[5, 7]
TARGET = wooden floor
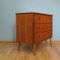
[8, 51]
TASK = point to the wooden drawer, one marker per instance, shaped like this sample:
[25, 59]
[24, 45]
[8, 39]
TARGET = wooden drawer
[47, 19]
[42, 36]
[42, 27]
[42, 19]
[37, 37]
[45, 35]
[37, 19]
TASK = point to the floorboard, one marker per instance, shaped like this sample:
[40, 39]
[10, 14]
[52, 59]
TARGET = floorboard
[8, 51]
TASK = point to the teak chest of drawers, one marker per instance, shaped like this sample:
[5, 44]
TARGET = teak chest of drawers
[32, 28]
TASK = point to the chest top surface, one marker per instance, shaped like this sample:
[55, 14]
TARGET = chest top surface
[35, 13]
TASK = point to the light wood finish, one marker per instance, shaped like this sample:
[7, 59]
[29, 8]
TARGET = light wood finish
[8, 51]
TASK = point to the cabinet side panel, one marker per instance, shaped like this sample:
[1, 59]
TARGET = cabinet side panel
[28, 28]
[20, 28]
[24, 28]
[17, 28]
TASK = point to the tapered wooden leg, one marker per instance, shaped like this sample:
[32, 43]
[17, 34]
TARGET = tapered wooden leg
[18, 46]
[34, 48]
[46, 41]
[50, 42]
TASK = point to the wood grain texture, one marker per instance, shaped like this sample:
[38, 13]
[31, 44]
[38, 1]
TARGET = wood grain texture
[33, 27]
[24, 34]
[8, 51]
[42, 27]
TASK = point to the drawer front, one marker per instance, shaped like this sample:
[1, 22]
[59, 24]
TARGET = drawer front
[42, 27]
[37, 19]
[46, 35]
[42, 19]
[42, 36]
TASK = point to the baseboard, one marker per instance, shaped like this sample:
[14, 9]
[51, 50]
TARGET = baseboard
[58, 41]
[13, 41]
[4, 41]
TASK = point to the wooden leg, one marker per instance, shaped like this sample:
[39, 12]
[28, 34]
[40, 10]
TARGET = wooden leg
[34, 48]
[18, 46]
[50, 42]
[46, 41]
